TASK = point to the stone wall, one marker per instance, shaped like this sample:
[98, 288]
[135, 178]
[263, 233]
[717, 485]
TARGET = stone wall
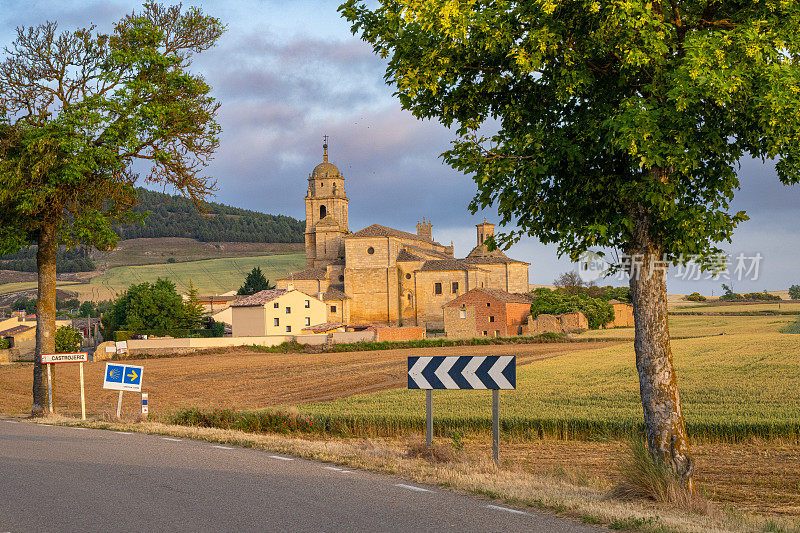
[460, 328]
[400, 334]
[556, 324]
[623, 316]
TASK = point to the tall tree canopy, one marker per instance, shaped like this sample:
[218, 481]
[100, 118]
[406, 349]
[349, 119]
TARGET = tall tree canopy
[614, 124]
[254, 282]
[77, 109]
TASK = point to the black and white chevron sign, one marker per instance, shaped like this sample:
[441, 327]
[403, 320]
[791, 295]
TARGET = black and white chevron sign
[462, 372]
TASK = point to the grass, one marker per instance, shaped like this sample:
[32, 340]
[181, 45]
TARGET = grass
[508, 482]
[212, 276]
[689, 326]
[731, 393]
[738, 307]
[792, 328]
[6, 288]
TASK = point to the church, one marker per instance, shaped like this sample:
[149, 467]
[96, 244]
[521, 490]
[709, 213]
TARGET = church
[381, 275]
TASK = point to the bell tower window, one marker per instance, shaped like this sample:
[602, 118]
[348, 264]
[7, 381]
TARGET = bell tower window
[322, 211]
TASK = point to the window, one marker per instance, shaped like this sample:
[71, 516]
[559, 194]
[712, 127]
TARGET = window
[491, 319]
[288, 329]
[488, 304]
[485, 333]
[370, 250]
[437, 288]
[308, 304]
[408, 276]
[277, 321]
[308, 321]
[454, 287]
[276, 305]
[322, 211]
[288, 310]
[462, 313]
[341, 277]
[333, 309]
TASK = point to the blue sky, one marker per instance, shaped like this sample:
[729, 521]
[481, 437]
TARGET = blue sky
[286, 73]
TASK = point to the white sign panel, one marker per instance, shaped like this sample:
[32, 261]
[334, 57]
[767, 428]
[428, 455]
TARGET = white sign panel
[48, 358]
[123, 377]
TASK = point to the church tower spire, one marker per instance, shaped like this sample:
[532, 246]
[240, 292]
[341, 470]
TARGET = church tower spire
[326, 213]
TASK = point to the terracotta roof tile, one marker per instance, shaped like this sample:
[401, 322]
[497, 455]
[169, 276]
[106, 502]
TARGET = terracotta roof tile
[16, 330]
[323, 328]
[376, 230]
[498, 294]
[260, 298]
[447, 264]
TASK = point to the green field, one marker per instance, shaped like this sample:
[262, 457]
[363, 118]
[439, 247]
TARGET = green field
[736, 307]
[213, 276]
[733, 387]
[684, 326]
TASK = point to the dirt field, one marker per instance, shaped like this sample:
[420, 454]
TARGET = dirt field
[244, 380]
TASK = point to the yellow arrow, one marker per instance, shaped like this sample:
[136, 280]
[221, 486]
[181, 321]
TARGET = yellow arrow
[133, 375]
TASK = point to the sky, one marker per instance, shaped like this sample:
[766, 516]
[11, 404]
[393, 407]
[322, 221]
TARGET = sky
[287, 73]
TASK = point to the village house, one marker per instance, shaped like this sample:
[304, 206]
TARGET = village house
[485, 312]
[276, 312]
[381, 275]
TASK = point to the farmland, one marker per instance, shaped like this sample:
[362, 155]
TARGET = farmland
[211, 276]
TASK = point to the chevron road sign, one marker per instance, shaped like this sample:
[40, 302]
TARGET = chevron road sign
[463, 372]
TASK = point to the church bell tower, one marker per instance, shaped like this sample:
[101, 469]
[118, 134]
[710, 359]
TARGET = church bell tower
[326, 213]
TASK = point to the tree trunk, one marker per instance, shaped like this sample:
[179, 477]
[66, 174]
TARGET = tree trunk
[663, 417]
[45, 312]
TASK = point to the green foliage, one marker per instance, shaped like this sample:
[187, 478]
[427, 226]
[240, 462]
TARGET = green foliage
[5, 344]
[217, 328]
[730, 296]
[696, 297]
[597, 311]
[67, 260]
[172, 260]
[68, 340]
[794, 292]
[192, 309]
[254, 282]
[25, 304]
[605, 115]
[147, 306]
[175, 216]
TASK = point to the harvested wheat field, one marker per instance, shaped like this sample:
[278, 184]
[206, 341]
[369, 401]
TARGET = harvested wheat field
[241, 380]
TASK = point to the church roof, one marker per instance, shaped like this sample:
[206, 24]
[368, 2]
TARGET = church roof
[325, 170]
[447, 264]
[405, 255]
[328, 221]
[260, 298]
[376, 230]
[427, 253]
[335, 292]
[491, 259]
[309, 273]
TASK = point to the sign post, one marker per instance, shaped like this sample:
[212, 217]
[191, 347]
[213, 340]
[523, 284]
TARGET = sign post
[51, 358]
[145, 406]
[494, 372]
[123, 377]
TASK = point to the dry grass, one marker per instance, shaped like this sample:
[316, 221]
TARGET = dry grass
[646, 478]
[508, 483]
[437, 453]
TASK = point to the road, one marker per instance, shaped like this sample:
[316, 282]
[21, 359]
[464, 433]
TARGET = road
[63, 479]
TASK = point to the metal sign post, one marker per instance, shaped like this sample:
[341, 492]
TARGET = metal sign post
[145, 406]
[51, 358]
[494, 372]
[123, 377]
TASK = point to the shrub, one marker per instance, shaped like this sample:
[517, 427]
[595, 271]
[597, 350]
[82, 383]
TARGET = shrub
[172, 260]
[5, 344]
[794, 292]
[696, 297]
[598, 311]
[68, 340]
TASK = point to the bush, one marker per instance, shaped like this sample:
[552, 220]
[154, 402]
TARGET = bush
[696, 297]
[5, 344]
[172, 260]
[123, 335]
[68, 340]
[597, 310]
[794, 292]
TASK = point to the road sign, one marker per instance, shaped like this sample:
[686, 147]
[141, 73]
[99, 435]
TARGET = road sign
[123, 377]
[48, 358]
[462, 372]
[145, 407]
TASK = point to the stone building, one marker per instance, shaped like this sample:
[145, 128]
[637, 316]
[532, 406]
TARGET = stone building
[487, 313]
[276, 312]
[381, 275]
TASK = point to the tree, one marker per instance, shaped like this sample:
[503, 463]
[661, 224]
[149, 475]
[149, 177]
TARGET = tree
[192, 309]
[68, 340]
[794, 292]
[254, 282]
[570, 282]
[146, 307]
[609, 125]
[598, 312]
[77, 109]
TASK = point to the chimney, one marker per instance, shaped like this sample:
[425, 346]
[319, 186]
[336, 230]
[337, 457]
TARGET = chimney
[425, 229]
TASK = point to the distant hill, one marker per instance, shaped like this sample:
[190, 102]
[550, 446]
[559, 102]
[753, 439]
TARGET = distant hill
[175, 216]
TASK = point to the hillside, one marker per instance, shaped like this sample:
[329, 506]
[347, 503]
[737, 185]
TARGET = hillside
[175, 216]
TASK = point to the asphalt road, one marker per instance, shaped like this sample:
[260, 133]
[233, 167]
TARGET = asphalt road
[68, 479]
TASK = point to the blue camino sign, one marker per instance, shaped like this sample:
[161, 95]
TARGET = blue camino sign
[123, 377]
